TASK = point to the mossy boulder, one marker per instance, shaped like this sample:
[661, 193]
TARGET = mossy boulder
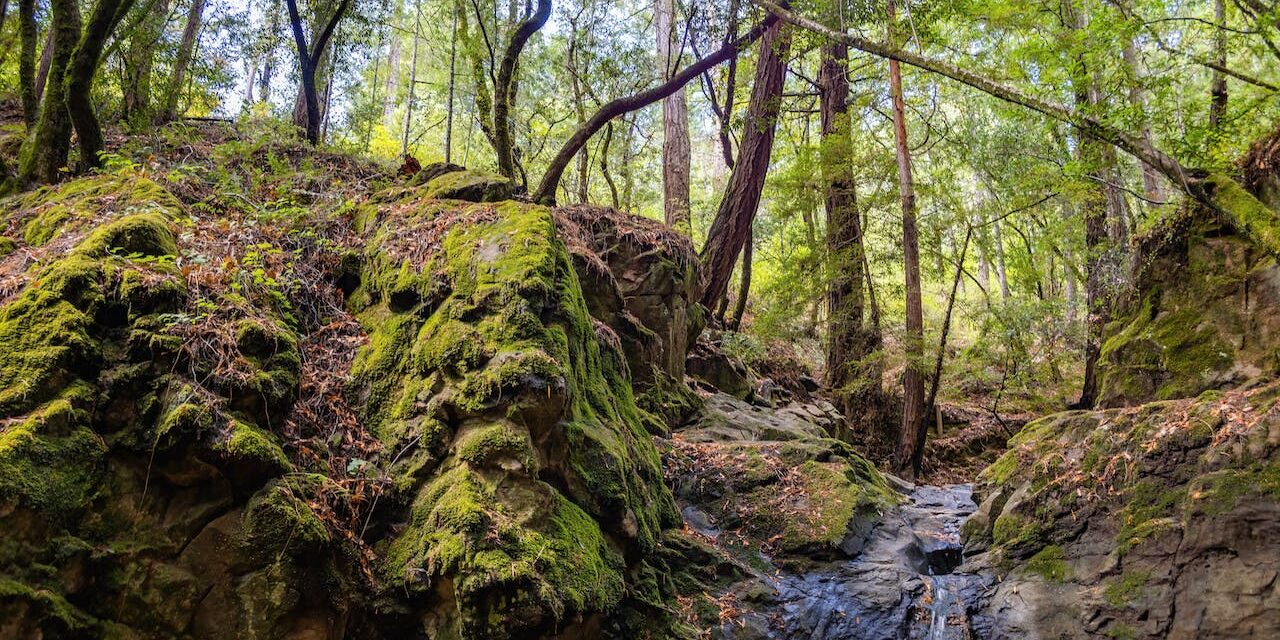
[470, 185]
[1115, 514]
[529, 473]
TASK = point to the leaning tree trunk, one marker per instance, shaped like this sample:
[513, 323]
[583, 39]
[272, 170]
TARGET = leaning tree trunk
[81, 72]
[910, 451]
[45, 151]
[503, 98]
[186, 48]
[27, 61]
[675, 125]
[732, 223]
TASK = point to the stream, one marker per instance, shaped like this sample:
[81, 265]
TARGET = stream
[907, 582]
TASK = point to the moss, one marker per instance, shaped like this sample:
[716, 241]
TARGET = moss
[1245, 211]
[1013, 531]
[1049, 563]
[7, 246]
[1127, 589]
[48, 610]
[1221, 491]
[836, 495]
[48, 212]
[50, 460]
[246, 441]
[475, 186]
[279, 519]
[493, 444]
[1002, 470]
[1121, 631]
[143, 234]
[1150, 509]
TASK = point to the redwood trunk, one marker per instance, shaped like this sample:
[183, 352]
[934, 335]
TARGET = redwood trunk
[732, 224]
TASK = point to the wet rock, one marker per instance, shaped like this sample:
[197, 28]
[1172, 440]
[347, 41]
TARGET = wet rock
[709, 364]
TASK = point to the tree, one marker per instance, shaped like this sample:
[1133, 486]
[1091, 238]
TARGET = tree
[27, 61]
[852, 374]
[546, 192]
[106, 16]
[139, 59]
[503, 89]
[46, 148]
[675, 124]
[910, 451]
[186, 48]
[309, 59]
[732, 224]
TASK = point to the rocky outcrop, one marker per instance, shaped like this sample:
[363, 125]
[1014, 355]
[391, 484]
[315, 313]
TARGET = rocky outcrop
[398, 418]
[1159, 521]
[1205, 314]
[641, 280]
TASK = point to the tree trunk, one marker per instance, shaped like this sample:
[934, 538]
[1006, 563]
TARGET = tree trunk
[1103, 203]
[732, 224]
[45, 150]
[80, 74]
[910, 451]
[413, 78]
[309, 59]
[27, 61]
[393, 75]
[1002, 274]
[186, 48]
[852, 374]
[139, 60]
[604, 166]
[503, 93]
[1152, 189]
[269, 55]
[675, 125]
[453, 60]
[46, 61]
[1218, 85]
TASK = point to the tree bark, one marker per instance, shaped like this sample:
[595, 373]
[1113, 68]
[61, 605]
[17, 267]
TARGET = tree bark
[555, 170]
[744, 285]
[102, 23]
[269, 55]
[308, 60]
[413, 78]
[393, 75]
[910, 452]
[675, 125]
[852, 373]
[453, 65]
[139, 61]
[186, 48]
[45, 150]
[503, 94]
[1218, 85]
[732, 224]
[27, 61]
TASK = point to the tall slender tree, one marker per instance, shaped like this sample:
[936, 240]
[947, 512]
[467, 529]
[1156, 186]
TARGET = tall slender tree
[27, 60]
[675, 123]
[186, 49]
[910, 452]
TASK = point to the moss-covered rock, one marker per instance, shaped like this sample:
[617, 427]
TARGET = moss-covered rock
[519, 441]
[1113, 512]
[469, 185]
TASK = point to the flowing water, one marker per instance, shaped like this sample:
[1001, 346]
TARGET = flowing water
[908, 582]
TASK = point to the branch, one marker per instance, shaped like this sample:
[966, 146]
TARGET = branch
[1092, 127]
[317, 48]
[551, 180]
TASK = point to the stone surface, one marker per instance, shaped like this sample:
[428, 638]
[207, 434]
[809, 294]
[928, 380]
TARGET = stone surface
[1160, 521]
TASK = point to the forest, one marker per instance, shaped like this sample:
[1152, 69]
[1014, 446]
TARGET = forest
[736, 319]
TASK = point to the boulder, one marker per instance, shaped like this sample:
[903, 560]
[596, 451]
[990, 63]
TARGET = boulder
[1151, 522]
[466, 184]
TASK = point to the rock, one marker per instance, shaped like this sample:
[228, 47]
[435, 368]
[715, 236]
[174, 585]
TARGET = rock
[1143, 523]
[467, 184]
[708, 363]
